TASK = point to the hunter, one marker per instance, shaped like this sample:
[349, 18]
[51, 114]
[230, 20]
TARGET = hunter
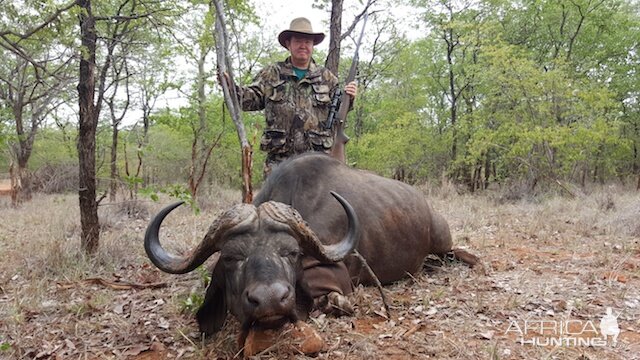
[295, 95]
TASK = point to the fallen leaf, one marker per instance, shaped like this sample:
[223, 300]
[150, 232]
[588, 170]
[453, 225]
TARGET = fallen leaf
[487, 335]
[432, 311]
[157, 346]
[163, 323]
[69, 344]
[136, 350]
[119, 309]
[613, 275]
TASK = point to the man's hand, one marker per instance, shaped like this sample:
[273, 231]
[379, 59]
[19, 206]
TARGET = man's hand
[351, 89]
[226, 78]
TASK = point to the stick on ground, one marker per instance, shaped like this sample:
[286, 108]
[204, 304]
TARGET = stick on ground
[364, 263]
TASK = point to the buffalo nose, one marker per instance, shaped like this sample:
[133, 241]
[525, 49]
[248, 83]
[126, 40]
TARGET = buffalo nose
[268, 299]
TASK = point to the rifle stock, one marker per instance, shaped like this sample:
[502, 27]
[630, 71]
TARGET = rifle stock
[341, 139]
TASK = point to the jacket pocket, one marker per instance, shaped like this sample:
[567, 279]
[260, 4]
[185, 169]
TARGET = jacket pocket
[321, 94]
[320, 140]
[278, 91]
[273, 141]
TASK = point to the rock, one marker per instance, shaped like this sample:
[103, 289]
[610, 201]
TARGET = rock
[301, 337]
[559, 305]
[258, 340]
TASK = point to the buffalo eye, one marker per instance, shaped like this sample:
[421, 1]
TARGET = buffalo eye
[294, 254]
[231, 258]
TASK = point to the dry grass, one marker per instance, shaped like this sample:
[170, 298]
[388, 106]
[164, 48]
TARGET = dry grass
[547, 258]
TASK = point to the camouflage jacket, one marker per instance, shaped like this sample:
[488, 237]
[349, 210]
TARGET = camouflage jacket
[295, 110]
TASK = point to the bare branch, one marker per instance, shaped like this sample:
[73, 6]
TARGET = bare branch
[232, 100]
[125, 18]
[357, 19]
[47, 21]
[16, 49]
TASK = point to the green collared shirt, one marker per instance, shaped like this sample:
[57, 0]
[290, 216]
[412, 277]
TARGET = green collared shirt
[300, 73]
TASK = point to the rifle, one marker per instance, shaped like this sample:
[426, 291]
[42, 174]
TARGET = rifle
[335, 104]
[337, 151]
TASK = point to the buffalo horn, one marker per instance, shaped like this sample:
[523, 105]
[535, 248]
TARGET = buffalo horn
[237, 218]
[309, 240]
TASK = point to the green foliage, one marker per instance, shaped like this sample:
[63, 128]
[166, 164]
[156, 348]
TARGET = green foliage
[403, 147]
[180, 192]
[175, 191]
[34, 74]
[133, 181]
[399, 134]
[539, 91]
[539, 123]
[172, 134]
[149, 192]
[192, 303]
[195, 299]
[54, 147]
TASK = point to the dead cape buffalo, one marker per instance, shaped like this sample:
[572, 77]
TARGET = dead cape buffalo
[289, 251]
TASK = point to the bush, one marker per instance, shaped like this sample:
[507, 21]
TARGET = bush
[57, 178]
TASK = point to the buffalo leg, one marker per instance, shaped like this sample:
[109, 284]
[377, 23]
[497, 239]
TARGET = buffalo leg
[441, 242]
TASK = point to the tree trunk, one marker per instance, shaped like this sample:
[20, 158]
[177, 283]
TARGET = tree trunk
[487, 170]
[15, 184]
[21, 177]
[247, 164]
[452, 93]
[636, 155]
[87, 132]
[24, 190]
[199, 148]
[335, 32]
[475, 181]
[113, 185]
[114, 176]
[142, 144]
[231, 99]
[20, 180]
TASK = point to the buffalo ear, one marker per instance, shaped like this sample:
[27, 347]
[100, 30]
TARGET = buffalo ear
[304, 300]
[213, 312]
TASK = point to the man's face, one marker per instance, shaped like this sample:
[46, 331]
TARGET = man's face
[301, 49]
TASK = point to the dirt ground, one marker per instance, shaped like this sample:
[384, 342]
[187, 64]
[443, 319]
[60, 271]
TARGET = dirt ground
[552, 266]
[5, 187]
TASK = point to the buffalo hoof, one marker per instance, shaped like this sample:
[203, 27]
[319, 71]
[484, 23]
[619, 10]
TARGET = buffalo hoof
[468, 258]
[335, 304]
[465, 256]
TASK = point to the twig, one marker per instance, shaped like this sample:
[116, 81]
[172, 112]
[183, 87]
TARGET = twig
[116, 285]
[412, 330]
[187, 338]
[104, 195]
[364, 263]
[356, 20]
[410, 275]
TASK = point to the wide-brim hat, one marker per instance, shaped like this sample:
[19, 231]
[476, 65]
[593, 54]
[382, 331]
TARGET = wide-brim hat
[300, 26]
